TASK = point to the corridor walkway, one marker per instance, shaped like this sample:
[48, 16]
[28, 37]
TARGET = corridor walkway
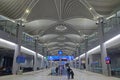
[44, 75]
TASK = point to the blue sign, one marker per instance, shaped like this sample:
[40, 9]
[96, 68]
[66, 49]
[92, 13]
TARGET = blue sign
[60, 52]
[57, 58]
[20, 59]
[107, 58]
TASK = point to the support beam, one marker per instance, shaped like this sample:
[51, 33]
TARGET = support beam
[79, 62]
[86, 55]
[16, 66]
[36, 55]
[90, 62]
[105, 67]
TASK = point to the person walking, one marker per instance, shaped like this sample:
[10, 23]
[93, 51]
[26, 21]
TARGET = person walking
[56, 70]
[68, 72]
[71, 74]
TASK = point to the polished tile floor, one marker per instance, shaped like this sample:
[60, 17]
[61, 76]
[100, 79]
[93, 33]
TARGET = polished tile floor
[44, 75]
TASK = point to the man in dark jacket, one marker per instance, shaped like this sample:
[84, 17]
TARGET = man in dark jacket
[68, 72]
[71, 73]
[56, 70]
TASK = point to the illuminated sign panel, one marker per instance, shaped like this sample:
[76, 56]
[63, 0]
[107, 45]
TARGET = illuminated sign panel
[107, 60]
[63, 58]
[20, 59]
[60, 52]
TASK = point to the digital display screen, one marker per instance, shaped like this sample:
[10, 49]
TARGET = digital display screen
[58, 58]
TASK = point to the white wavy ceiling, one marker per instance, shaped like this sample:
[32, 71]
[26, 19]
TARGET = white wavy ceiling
[46, 15]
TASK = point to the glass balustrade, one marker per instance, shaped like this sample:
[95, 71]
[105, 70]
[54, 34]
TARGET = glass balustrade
[11, 28]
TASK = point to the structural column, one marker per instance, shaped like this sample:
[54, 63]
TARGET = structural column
[36, 54]
[17, 52]
[79, 57]
[42, 62]
[75, 63]
[86, 55]
[105, 69]
[46, 54]
[39, 63]
[77, 51]
[79, 62]
[90, 62]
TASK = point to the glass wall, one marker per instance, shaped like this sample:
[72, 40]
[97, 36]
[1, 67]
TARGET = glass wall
[40, 49]
[114, 54]
[96, 65]
[93, 40]
[115, 64]
[28, 41]
[111, 28]
[82, 48]
[8, 26]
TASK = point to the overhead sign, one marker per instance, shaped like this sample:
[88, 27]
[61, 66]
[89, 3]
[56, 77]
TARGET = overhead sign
[20, 59]
[57, 58]
[107, 60]
[60, 52]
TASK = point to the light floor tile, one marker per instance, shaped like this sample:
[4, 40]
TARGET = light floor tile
[44, 75]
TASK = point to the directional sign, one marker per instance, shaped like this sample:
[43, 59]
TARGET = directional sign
[60, 52]
[107, 58]
[20, 59]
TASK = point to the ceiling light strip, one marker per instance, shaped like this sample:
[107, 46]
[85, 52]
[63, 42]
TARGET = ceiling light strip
[110, 41]
[11, 45]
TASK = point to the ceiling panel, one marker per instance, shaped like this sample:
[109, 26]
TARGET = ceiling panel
[104, 7]
[44, 9]
[59, 23]
[14, 8]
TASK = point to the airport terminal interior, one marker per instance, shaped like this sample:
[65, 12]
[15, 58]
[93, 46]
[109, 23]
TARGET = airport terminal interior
[59, 39]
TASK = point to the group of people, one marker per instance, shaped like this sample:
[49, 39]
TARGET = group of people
[60, 70]
[69, 71]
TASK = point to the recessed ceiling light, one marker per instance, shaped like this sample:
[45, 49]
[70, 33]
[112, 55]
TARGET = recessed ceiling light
[84, 35]
[23, 19]
[97, 17]
[61, 28]
[90, 8]
[27, 11]
[13, 21]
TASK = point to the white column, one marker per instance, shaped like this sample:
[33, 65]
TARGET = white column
[75, 64]
[35, 63]
[86, 55]
[79, 62]
[36, 55]
[39, 63]
[102, 46]
[17, 52]
[42, 62]
[90, 62]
